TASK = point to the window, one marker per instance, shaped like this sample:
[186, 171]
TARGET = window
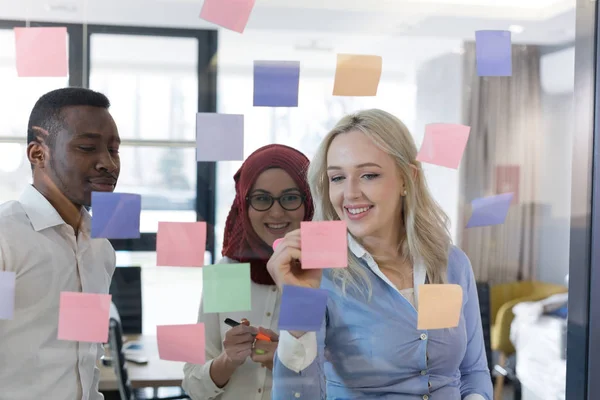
[152, 83]
[15, 170]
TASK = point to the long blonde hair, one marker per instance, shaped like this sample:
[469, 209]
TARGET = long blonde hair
[426, 237]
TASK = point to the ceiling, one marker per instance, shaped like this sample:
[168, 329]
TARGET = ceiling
[544, 21]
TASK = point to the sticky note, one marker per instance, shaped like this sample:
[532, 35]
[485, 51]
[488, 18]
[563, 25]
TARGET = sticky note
[116, 215]
[357, 75]
[84, 317]
[490, 210]
[7, 294]
[439, 306]
[324, 244]
[302, 309]
[493, 51]
[180, 244]
[226, 288]
[230, 14]
[181, 343]
[219, 137]
[41, 52]
[444, 144]
[276, 83]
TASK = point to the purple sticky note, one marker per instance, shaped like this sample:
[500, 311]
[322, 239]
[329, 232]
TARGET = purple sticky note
[219, 137]
[116, 215]
[7, 294]
[493, 50]
[302, 309]
[276, 83]
[490, 210]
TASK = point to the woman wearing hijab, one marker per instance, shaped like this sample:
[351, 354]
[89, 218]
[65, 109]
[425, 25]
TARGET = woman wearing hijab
[272, 198]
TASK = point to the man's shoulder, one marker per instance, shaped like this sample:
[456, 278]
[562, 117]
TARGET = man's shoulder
[12, 214]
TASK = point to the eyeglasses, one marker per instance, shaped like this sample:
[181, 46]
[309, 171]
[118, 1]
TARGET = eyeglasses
[263, 201]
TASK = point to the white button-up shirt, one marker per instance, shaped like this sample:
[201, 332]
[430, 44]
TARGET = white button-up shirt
[47, 258]
[251, 380]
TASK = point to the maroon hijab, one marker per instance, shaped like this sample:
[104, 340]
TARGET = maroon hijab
[241, 243]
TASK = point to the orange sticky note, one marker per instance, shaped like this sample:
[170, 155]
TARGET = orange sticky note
[83, 317]
[41, 52]
[230, 14]
[357, 75]
[181, 343]
[440, 306]
[444, 144]
[262, 336]
[180, 244]
[324, 244]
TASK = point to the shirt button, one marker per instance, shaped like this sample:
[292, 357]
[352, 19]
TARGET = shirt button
[424, 372]
[274, 289]
[259, 390]
[425, 397]
[423, 336]
[268, 314]
[297, 395]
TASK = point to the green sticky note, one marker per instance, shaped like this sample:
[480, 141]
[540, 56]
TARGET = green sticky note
[226, 288]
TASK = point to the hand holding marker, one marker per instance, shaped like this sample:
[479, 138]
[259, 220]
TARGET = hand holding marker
[259, 336]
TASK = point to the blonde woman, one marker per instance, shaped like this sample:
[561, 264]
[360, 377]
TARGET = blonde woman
[366, 174]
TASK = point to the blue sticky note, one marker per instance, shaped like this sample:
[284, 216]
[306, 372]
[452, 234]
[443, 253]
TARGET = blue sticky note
[302, 309]
[276, 83]
[493, 50]
[116, 215]
[490, 210]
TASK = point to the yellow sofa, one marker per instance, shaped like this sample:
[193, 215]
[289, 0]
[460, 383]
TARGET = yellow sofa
[502, 299]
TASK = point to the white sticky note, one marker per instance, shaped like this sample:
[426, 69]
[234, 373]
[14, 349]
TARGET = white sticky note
[7, 294]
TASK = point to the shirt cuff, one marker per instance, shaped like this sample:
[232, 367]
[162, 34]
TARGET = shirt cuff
[202, 372]
[474, 396]
[297, 354]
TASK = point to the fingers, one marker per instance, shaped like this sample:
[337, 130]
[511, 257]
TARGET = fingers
[265, 347]
[241, 330]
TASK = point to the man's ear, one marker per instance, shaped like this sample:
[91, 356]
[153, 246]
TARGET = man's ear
[36, 153]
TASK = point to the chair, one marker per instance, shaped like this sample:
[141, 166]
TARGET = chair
[483, 293]
[503, 298]
[115, 340]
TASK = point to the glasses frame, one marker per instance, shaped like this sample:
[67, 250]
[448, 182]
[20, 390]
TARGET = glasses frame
[273, 200]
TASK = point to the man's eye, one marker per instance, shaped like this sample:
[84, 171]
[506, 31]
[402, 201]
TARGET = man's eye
[87, 148]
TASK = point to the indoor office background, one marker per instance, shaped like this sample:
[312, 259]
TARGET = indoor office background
[159, 64]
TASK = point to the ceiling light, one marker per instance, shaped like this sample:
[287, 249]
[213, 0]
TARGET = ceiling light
[516, 29]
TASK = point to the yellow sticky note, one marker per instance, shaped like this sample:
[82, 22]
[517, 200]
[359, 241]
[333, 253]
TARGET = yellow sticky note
[439, 306]
[357, 75]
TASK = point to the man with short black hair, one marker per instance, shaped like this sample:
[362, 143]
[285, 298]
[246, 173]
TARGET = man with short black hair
[73, 147]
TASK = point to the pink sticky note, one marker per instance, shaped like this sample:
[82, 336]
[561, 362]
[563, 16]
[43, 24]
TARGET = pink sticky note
[181, 244]
[444, 144]
[41, 52]
[83, 317]
[181, 343]
[324, 244]
[230, 14]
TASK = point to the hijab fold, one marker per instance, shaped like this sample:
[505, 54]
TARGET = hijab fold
[241, 243]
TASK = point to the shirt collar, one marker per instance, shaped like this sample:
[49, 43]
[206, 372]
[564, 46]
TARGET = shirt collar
[419, 271]
[42, 214]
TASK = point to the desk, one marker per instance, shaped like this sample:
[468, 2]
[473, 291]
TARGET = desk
[157, 373]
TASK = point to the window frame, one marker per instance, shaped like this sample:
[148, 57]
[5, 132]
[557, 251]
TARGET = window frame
[79, 75]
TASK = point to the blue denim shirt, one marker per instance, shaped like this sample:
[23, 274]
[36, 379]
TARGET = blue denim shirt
[373, 350]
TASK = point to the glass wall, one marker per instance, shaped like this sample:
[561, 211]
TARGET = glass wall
[521, 141]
